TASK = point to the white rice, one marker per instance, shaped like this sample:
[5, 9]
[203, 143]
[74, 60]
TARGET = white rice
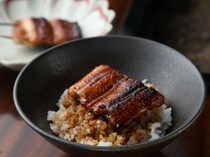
[74, 123]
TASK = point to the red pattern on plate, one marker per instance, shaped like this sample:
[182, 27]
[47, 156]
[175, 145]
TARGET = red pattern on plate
[102, 14]
[87, 1]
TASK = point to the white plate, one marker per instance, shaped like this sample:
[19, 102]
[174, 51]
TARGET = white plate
[93, 16]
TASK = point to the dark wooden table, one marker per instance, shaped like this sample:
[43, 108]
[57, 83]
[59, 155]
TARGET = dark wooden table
[19, 140]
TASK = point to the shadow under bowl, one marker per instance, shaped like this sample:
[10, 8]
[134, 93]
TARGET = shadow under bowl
[40, 84]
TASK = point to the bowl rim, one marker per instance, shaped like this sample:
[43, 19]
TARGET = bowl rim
[166, 137]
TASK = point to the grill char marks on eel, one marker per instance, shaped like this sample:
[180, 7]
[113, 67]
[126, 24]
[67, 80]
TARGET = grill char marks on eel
[98, 81]
[107, 92]
[101, 104]
[133, 105]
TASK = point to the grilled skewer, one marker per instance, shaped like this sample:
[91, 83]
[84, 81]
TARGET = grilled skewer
[35, 32]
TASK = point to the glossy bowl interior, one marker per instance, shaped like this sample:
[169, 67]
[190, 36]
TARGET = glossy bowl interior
[40, 84]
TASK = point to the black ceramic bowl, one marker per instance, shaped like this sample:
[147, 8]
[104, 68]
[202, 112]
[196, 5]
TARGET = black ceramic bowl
[40, 84]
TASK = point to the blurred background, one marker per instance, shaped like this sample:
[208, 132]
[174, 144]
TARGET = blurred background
[181, 24]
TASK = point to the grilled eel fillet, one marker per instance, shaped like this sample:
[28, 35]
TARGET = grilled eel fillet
[105, 91]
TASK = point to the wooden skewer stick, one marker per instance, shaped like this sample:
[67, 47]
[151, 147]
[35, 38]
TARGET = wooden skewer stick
[5, 24]
[5, 36]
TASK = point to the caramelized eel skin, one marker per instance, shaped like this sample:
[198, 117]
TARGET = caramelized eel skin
[105, 91]
[123, 87]
[98, 81]
[133, 105]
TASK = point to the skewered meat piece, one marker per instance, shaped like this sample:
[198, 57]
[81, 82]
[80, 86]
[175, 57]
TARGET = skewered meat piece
[64, 31]
[39, 31]
[105, 91]
[33, 32]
